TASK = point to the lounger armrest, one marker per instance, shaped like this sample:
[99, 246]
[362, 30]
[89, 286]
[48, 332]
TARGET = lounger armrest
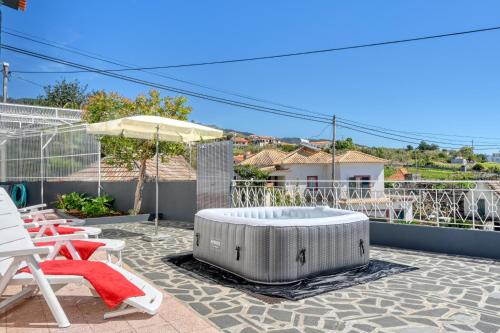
[51, 222]
[30, 208]
[60, 238]
[37, 212]
[27, 251]
[31, 225]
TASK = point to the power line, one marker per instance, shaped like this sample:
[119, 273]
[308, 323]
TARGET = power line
[414, 138]
[259, 108]
[285, 55]
[128, 66]
[435, 135]
[182, 91]
[113, 61]
[26, 80]
[165, 87]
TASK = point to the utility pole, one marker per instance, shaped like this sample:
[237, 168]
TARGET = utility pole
[5, 80]
[334, 139]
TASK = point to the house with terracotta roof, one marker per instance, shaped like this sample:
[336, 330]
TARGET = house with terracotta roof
[321, 144]
[174, 168]
[260, 140]
[400, 175]
[359, 178]
[239, 141]
[311, 165]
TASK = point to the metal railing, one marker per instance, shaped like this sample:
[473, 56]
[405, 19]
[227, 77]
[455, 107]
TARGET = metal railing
[463, 204]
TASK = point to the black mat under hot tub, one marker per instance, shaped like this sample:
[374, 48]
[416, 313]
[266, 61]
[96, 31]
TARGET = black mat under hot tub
[375, 270]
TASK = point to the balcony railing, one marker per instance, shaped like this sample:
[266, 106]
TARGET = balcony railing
[470, 204]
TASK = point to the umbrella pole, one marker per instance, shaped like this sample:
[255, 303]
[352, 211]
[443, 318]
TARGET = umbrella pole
[156, 178]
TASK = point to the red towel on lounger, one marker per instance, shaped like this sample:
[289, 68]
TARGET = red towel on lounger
[111, 285]
[84, 248]
[60, 230]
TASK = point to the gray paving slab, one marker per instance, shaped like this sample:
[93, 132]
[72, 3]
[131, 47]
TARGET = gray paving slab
[447, 293]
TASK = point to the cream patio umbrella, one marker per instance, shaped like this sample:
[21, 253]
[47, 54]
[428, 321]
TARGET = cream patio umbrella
[158, 129]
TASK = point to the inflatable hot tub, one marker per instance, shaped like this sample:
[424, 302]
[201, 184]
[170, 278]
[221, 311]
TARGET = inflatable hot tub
[278, 245]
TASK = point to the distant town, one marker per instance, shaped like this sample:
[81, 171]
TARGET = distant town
[425, 161]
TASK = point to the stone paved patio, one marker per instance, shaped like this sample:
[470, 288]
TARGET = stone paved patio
[85, 313]
[446, 293]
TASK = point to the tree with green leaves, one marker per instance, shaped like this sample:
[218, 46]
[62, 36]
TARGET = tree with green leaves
[346, 144]
[64, 94]
[423, 145]
[250, 172]
[467, 153]
[128, 152]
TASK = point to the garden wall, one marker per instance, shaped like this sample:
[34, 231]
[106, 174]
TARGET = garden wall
[474, 243]
[177, 199]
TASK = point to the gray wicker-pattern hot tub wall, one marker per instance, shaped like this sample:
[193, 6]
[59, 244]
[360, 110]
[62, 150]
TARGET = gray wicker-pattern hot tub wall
[278, 245]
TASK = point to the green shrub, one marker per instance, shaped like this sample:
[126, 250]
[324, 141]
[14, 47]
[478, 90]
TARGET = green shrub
[250, 172]
[90, 207]
[99, 206]
[72, 201]
[478, 167]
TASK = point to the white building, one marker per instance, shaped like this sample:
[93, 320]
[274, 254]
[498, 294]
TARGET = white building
[239, 141]
[495, 157]
[309, 166]
[483, 202]
[321, 144]
[459, 160]
[359, 179]
[262, 141]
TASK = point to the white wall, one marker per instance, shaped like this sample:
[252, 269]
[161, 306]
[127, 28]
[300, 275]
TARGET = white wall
[301, 171]
[344, 170]
[491, 198]
[374, 170]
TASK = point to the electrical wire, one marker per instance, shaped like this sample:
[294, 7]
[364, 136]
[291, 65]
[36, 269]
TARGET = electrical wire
[414, 138]
[203, 96]
[113, 61]
[435, 135]
[293, 54]
[352, 123]
[165, 87]
[26, 80]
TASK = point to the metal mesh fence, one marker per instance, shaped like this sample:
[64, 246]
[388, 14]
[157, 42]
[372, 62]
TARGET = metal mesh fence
[52, 154]
[214, 174]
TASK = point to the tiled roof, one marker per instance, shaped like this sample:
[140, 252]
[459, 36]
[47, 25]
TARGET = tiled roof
[174, 168]
[268, 168]
[307, 155]
[265, 157]
[354, 156]
[238, 158]
[399, 175]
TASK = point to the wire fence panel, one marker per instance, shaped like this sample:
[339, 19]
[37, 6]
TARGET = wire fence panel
[54, 154]
[214, 174]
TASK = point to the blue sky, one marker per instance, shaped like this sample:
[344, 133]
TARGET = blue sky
[447, 86]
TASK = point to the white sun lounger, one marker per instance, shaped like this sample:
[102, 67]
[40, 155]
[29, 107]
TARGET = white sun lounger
[110, 245]
[18, 250]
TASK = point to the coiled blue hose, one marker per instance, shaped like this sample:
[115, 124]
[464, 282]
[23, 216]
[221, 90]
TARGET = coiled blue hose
[19, 194]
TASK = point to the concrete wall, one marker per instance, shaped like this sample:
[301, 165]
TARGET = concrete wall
[177, 199]
[475, 243]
